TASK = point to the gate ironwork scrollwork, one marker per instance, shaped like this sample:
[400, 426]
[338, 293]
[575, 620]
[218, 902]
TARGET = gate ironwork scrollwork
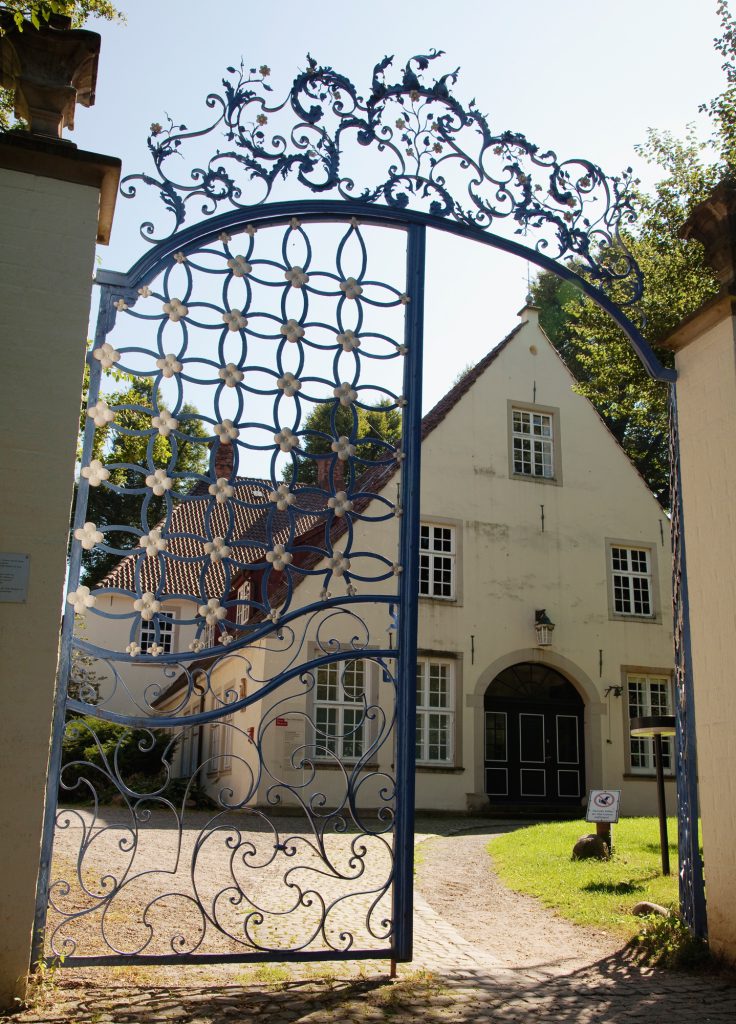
[254, 631]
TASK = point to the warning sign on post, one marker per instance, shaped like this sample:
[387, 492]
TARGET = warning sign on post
[603, 805]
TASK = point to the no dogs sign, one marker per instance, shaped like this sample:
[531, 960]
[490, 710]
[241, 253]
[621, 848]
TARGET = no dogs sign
[603, 805]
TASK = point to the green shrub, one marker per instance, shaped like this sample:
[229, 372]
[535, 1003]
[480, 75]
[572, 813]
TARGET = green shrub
[668, 942]
[103, 753]
[196, 796]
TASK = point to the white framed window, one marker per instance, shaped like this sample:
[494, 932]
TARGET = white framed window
[220, 752]
[165, 632]
[435, 712]
[631, 581]
[340, 697]
[189, 747]
[649, 695]
[242, 611]
[532, 443]
[214, 737]
[208, 635]
[437, 561]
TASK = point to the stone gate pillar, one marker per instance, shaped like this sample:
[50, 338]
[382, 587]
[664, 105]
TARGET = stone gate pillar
[55, 203]
[705, 357]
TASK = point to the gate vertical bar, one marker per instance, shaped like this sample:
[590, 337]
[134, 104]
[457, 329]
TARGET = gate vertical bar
[408, 593]
[692, 889]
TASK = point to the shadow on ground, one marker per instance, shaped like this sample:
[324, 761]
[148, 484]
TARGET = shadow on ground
[610, 991]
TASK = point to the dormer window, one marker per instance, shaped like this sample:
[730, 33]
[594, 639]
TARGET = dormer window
[165, 633]
[242, 611]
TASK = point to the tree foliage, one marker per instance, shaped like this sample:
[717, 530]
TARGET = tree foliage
[98, 751]
[374, 426]
[722, 109]
[119, 442]
[677, 281]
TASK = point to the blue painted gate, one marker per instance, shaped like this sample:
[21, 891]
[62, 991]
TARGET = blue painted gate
[242, 589]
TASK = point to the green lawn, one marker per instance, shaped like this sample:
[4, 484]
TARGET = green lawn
[536, 860]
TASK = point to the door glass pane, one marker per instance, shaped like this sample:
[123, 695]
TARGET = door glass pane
[496, 736]
[568, 782]
[531, 737]
[497, 782]
[533, 782]
[567, 739]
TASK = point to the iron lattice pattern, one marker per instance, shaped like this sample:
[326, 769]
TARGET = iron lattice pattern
[235, 580]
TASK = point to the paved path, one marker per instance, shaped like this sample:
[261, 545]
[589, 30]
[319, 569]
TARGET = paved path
[453, 979]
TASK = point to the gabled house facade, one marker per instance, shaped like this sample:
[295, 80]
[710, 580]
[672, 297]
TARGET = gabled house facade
[544, 619]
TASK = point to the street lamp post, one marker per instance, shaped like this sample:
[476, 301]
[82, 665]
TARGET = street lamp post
[658, 726]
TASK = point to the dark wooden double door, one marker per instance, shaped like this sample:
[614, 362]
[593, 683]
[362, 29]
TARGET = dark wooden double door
[534, 736]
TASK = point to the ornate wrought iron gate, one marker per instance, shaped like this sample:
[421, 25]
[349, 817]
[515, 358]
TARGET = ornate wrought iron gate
[253, 622]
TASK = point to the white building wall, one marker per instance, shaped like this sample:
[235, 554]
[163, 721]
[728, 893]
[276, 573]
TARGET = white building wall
[508, 567]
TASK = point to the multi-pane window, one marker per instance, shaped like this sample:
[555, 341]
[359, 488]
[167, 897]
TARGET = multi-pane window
[533, 443]
[165, 632]
[632, 581]
[437, 561]
[242, 611]
[435, 712]
[339, 710]
[649, 695]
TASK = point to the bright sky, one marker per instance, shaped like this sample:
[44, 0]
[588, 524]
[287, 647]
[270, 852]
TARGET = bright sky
[584, 80]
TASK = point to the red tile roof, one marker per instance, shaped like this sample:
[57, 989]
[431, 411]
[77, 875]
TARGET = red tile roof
[184, 568]
[198, 518]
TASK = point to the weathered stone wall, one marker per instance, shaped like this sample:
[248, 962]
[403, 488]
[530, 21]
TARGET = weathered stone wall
[46, 264]
[706, 363]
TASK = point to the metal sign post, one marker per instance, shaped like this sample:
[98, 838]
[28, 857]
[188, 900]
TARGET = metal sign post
[603, 809]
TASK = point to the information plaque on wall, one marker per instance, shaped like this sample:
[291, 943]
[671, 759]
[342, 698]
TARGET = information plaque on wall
[14, 577]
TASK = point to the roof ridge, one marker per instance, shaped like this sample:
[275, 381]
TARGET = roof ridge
[450, 399]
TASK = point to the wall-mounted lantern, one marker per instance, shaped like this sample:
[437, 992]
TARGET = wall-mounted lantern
[544, 627]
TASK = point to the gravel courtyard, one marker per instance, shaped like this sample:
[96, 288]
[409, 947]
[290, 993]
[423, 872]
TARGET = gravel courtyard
[482, 954]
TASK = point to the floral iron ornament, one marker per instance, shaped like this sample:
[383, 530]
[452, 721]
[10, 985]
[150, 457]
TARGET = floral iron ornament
[438, 157]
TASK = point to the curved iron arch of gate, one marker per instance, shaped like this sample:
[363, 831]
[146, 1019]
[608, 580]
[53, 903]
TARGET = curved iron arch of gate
[230, 548]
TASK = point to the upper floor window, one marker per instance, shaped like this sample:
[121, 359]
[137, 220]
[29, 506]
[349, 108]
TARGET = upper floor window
[242, 611]
[437, 561]
[165, 632]
[533, 443]
[435, 711]
[631, 577]
[340, 695]
[649, 695]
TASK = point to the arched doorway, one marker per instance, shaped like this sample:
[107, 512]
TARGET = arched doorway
[533, 738]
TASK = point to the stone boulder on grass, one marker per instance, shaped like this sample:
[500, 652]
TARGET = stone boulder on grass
[590, 846]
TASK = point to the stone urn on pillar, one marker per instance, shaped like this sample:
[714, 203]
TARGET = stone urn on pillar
[50, 69]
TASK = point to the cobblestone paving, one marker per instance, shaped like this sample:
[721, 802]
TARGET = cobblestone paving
[451, 980]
